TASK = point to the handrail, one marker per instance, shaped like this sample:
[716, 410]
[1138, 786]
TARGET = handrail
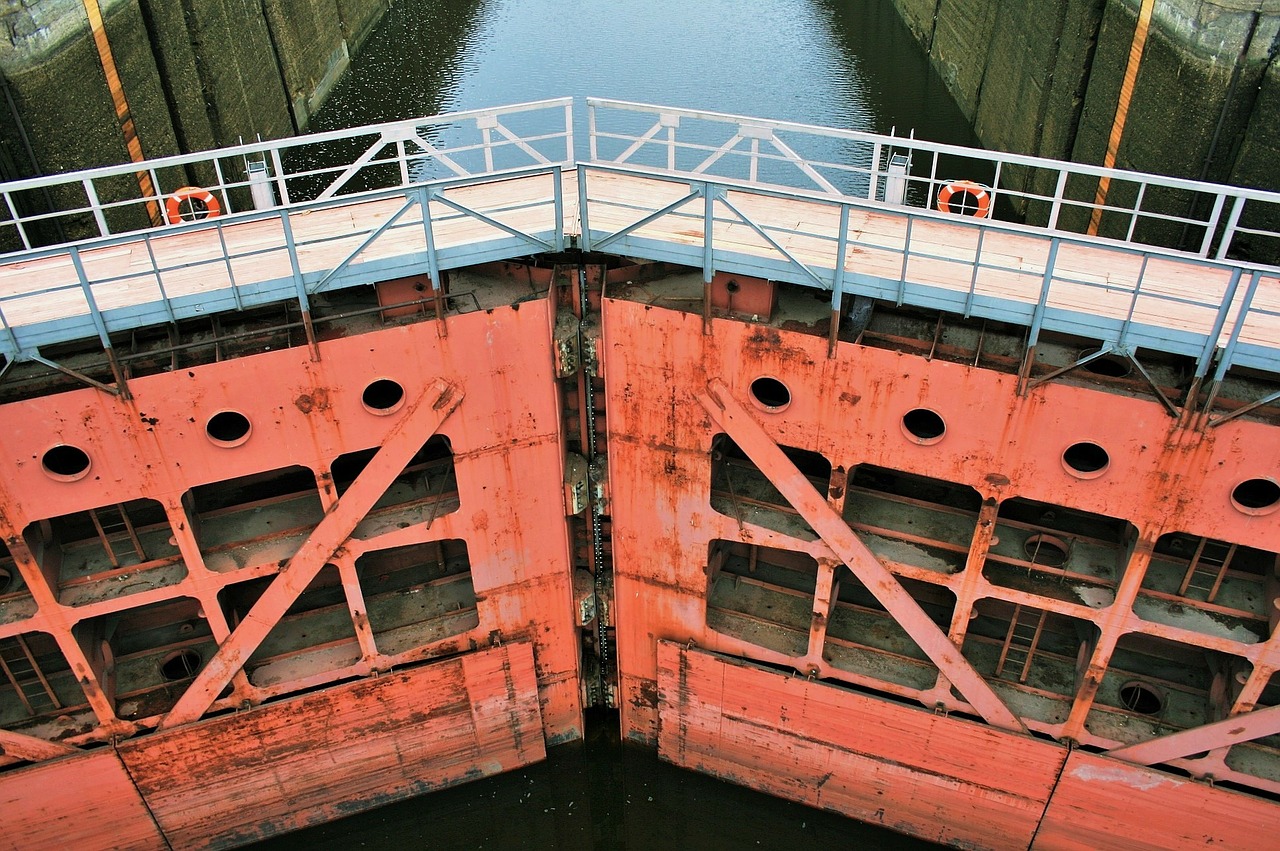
[1053, 273]
[1043, 192]
[411, 155]
[405, 146]
[303, 276]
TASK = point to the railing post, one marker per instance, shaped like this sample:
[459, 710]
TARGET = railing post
[1233, 219]
[1059, 193]
[584, 239]
[1228, 354]
[1133, 302]
[557, 188]
[1037, 318]
[486, 123]
[226, 258]
[873, 183]
[281, 186]
[298, 285]
[570, 153]
[591, 132]
[99, 323]
[973, 279]
[906, 256]
[92, 194]
[837, 280]
[17, 221]
[708, 253]
[433, 260]
[1211, 341]
[1218, 201]
[155, 268]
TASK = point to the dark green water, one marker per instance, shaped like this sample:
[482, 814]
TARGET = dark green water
[597, 794]
[840, 63]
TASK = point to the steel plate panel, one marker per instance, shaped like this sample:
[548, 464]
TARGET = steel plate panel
[83, 802]
[231, 780]
[1103, 803]
[940, 778]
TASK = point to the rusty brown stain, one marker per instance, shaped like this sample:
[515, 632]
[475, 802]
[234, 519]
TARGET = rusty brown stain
[316, 400]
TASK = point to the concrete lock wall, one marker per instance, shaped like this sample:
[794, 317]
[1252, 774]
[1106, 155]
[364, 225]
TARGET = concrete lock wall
[197, 74]
[1044, 77]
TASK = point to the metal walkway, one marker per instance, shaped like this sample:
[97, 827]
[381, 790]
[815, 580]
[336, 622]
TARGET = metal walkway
[789, 202]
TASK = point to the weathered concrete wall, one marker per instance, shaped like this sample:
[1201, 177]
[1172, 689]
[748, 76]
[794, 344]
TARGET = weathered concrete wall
[196, 73]
[1044, 76]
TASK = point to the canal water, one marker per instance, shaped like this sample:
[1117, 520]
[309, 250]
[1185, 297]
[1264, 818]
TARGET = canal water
[839, 63]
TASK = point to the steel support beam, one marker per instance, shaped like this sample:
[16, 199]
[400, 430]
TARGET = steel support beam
[420, 422]
[30, 748]
[1220, 734]
[743, 428]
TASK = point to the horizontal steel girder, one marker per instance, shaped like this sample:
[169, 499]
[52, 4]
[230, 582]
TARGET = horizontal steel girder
[1219, 734]
[420, 422]
[845, 543]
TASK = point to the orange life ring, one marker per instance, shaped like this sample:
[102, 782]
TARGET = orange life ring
[974, 199]
[191, 204]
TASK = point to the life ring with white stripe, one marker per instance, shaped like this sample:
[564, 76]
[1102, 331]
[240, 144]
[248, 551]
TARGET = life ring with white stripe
[191, 204]
[965, 198]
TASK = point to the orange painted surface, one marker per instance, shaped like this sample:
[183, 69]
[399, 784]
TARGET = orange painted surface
[1103, 803]
[83, 802]
[943, 779]
[849, 408]
[505, 438]
[237, 778]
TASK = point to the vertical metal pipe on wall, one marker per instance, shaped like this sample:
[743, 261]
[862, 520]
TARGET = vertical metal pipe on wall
[121, 103]
[1136, 49]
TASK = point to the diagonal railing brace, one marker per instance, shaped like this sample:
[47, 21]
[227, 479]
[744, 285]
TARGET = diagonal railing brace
[844, 542]
[419, 424]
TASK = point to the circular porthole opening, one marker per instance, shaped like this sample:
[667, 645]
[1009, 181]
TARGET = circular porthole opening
[65, 463]
[1086, 460]
[1108, 365]
[228, 428]
[1046, 550]
[1256, 496]
[770, 393]
[180, 665]
[1141, 698]
[923, 426]
[383, 397]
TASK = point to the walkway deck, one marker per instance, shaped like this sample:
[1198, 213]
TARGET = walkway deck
[1123, 294]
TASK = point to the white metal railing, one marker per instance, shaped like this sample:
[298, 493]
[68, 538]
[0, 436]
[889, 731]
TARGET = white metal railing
[1205, 219]
[106, 201]
[1227, 314]
[100, 286]
[412, 166]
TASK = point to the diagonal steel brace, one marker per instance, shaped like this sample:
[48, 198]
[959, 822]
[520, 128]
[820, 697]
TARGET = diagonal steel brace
[1219, 734]
[845, 543]
[420, 422]
[22, 746]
